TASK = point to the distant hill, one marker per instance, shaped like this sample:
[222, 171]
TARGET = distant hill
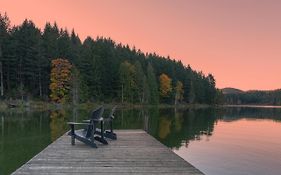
[230, 90]
[255, 97]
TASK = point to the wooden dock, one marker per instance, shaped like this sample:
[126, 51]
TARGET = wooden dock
[135, 152]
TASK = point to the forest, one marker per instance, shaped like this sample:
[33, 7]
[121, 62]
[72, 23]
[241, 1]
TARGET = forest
[254, 97]
[101, 69]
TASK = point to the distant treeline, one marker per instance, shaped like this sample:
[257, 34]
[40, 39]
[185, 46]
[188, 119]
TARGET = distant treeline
[103, 70]
[254, 97]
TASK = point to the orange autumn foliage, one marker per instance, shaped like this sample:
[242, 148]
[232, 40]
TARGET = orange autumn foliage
[165, 85]
[60, 79]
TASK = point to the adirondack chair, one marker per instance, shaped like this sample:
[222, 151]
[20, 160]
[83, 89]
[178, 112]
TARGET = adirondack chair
[109, 120]
[109, 133]
[87, 135]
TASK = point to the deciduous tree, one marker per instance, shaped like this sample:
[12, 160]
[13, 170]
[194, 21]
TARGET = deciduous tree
[179, 91]
[127, 74]
[60, 80]
[165, 85]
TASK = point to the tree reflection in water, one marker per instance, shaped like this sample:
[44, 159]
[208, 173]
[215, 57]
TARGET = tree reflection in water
[25, 133]
[176, 127]
[58, 124]
[172, 127]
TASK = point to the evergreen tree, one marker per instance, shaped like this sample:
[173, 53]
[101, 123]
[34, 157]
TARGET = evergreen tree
[211, 89]
[191, 95]
[152, 84]
[90, 68]
[101, 65]
[4, 26]
[50, 41]
[75, 46]
[64, 45]
[28, 43]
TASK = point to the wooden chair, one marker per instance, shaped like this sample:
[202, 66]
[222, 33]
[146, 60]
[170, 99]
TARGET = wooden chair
[87, 135]
[109, 133]
[109, 120]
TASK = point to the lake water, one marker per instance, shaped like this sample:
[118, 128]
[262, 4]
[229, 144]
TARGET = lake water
[225, 141]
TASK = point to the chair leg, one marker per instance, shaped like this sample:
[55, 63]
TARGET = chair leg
[102, 131]
[93, 133]
[110, 134]
[101, 138]
[72, 135]
[111, 126]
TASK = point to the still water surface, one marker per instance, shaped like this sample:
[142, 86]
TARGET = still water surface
[225, 141]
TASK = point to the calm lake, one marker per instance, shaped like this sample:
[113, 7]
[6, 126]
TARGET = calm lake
[223, 141]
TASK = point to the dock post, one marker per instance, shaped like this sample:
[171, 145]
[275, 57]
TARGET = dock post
[72, 135]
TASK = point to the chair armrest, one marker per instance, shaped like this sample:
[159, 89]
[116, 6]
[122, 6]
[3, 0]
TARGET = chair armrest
[98, 120]
[72, 124]
[87, 121]
[75, 123]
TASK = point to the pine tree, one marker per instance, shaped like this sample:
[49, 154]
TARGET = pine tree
[152, 84]
[26, 55]
[29, 52]
[4, 26]
[75, 45]
[90, 69]
[50, 41]
[64, 44]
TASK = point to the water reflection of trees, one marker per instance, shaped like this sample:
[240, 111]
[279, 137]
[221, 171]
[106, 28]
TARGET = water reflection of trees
[129, 119]
[178, 127]
[23, 134]
[58, 124]
[235, 113]
[172, 127]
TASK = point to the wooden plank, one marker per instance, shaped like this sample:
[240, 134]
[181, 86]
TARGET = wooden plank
[135, 152]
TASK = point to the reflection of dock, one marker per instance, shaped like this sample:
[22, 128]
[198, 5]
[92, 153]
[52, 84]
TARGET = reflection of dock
[135, 152]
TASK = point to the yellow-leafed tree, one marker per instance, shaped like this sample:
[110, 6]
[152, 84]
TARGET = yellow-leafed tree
[165, 85]
[179, 91]
[60, 80]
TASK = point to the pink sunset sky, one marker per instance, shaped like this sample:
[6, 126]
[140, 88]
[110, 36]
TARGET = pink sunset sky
[238, 41]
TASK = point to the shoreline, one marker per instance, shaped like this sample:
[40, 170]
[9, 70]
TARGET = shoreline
[252, 106]
[41, 105]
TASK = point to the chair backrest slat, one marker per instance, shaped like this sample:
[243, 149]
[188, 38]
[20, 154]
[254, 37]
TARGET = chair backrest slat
[111, 115]
[96, 114]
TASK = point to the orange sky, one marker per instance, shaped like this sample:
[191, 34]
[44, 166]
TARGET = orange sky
[238, 41]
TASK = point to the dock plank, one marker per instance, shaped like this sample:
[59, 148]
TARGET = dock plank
[135, 152]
